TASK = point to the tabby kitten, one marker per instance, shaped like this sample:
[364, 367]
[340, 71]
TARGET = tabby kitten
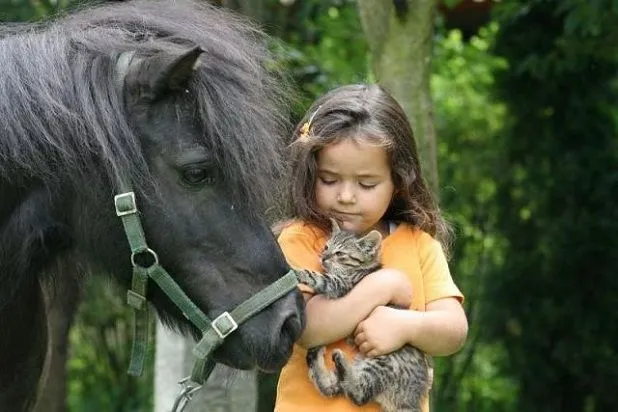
[397, 381]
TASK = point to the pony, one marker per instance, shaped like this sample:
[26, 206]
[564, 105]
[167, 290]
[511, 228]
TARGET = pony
[178, 98]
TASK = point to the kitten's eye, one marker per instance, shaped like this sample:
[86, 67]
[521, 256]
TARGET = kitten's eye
[196, 176]
[339, 253]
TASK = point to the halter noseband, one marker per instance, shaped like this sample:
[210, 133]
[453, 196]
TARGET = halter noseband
[213, 331]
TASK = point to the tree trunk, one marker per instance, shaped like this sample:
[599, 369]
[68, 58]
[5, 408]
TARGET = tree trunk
[225, 391]
[400, 42]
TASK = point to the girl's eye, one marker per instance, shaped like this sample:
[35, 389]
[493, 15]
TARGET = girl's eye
[327, 181]
[196, 176]
[368, 185]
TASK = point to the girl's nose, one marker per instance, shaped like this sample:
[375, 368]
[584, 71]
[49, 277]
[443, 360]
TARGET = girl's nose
[346, 195]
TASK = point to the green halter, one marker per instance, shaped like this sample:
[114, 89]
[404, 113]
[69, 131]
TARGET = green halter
[213, 331]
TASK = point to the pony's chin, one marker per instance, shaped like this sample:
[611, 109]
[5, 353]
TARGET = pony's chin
[270, 369]
[244, 361]
[236, 363]
[274, 364]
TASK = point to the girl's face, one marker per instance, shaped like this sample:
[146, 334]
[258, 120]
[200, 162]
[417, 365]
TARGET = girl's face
[354, 184]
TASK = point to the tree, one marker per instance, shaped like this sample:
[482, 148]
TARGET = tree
[400, 40]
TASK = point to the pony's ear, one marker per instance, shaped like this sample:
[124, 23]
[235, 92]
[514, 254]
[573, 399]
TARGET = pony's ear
[168, 72]
[176, 71]
[334, 226]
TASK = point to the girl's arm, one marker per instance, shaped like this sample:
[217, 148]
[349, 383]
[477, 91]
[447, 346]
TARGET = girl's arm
[329, 320]
[439, 331]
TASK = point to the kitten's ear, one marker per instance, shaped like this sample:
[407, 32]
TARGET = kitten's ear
[334, 226]
[371, 240]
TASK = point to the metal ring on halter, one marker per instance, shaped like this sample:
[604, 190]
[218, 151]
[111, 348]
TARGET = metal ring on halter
[154, 255]
[185, 395]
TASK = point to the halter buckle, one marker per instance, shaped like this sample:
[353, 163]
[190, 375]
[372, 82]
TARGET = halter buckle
[228, 325]
[125, 204]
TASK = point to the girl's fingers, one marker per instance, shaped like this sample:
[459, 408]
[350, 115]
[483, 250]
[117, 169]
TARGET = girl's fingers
[359, 339]
[364, 347]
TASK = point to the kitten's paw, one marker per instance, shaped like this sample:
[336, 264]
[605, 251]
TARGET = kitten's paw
[303, 276]
[340, 363]
[338, 356]
[322, 377]
[313, 354]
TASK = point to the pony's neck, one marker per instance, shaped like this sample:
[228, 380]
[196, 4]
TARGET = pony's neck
[31, 236]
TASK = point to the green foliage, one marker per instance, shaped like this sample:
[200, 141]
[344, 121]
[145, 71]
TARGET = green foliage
[30, 10]
[552, 302]
[100, 353]
[451, 3]
[329, 49]
[468, 125]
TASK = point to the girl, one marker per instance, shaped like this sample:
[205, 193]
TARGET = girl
[354, 159]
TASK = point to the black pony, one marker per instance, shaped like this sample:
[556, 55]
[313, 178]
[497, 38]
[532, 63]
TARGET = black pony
[176, 98]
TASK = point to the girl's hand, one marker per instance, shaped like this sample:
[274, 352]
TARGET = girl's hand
[381, 333]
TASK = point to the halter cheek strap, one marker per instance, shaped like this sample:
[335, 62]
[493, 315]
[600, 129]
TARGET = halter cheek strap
[214, 331]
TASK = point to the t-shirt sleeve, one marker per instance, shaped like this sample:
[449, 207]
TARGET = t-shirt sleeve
[437, 278]
[300, 250]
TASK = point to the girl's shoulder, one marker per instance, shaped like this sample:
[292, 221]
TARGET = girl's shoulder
[405, 234]
[406, 229]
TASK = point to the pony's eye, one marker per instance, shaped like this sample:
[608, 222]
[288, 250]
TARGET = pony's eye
[197, 176]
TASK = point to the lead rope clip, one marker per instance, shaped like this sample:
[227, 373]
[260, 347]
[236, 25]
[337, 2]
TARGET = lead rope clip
[186, 394]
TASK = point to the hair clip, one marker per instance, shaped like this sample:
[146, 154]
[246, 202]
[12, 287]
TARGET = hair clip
[304, 129]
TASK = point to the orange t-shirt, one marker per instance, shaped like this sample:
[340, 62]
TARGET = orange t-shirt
[407, 249]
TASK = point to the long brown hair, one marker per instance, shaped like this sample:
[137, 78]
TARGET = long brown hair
[368, 113]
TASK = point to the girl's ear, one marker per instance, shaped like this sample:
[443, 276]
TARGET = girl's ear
[334, 226]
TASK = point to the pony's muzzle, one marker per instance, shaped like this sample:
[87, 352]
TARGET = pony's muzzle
[292, 320]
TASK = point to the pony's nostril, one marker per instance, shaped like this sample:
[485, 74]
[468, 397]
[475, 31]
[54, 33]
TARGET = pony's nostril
[292, 327]
[292, 319]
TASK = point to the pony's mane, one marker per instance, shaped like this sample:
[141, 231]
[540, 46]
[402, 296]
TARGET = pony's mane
[62, 116]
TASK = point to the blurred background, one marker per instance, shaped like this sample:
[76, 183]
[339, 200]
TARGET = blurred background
[515, 107]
